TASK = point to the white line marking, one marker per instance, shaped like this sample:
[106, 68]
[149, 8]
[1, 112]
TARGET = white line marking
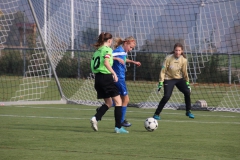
[66, 108]
[44, 117]
[71, 118]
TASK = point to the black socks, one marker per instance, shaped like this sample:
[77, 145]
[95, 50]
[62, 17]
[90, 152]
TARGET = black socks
[118, 116]
[101, 111]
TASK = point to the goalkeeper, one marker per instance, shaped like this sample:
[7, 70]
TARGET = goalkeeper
[174, 73]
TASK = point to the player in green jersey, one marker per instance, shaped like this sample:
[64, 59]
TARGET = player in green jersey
[105, 78]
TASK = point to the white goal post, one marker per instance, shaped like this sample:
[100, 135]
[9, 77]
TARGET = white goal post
[50, 43]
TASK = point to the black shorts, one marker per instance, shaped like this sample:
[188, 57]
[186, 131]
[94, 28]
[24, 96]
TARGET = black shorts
[105, 86]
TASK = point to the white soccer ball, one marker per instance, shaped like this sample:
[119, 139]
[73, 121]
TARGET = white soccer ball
[151, 124]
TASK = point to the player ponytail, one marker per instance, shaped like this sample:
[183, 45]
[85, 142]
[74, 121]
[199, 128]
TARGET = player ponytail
[118, 41]
[103, 37]
[178, 45]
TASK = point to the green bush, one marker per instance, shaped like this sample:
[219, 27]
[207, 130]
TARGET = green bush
[150, 68]
[214, 71]
[67, 68]
[11, 63]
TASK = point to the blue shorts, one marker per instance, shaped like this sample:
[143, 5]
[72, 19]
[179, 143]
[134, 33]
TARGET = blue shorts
[122, 87]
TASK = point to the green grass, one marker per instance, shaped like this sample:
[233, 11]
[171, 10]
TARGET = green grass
[11, 84]
[47, 132]
[216, 95]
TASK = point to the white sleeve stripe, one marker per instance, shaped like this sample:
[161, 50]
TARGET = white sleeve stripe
[119, 54]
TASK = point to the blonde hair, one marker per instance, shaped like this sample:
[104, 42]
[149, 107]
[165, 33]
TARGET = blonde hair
[118, 41]
[178, 45]
[103, 37]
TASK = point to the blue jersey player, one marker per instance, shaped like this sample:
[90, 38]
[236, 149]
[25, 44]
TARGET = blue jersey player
[122, 47]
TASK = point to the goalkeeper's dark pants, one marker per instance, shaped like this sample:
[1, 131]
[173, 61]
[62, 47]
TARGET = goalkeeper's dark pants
[168, 89]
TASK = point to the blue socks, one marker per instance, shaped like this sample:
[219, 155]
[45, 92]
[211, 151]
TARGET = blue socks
[124, 110]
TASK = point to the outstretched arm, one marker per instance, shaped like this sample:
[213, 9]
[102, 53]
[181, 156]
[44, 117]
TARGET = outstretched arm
[119, 60]
[134, 62]
[184, 71]
[163, 70]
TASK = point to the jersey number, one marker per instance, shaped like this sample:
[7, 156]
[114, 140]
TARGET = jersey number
[96, 62]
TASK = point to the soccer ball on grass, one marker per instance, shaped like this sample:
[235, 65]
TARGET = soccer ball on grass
[150, 124]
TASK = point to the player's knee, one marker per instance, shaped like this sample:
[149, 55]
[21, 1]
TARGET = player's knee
[166, 98]
[125, 100]
[118, 102]
[187, 92]
[109, 104]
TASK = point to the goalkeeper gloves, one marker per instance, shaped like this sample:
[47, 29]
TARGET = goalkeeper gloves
[160, 86]
[188, 85]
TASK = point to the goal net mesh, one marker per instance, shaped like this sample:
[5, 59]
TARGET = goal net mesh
[46, 48]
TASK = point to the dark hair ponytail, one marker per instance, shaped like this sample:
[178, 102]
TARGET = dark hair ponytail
[103, 37]
[178, 45]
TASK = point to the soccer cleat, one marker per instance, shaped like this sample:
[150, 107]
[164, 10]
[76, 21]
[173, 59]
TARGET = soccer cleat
[189, 114]
[125, 123]
[157, 117]
[94, 123]
[120, 130]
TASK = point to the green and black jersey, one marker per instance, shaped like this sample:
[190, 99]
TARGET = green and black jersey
[97, 62]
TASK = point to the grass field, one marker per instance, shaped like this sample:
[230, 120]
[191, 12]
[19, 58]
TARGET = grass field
[139, 91]
[47, 132]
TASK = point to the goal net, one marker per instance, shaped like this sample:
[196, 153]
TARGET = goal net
[46, 48]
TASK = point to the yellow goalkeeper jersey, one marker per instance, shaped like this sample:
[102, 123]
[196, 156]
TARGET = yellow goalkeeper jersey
[174, 68]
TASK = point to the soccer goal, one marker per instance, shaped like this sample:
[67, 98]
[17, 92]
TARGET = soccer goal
[46, 47]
